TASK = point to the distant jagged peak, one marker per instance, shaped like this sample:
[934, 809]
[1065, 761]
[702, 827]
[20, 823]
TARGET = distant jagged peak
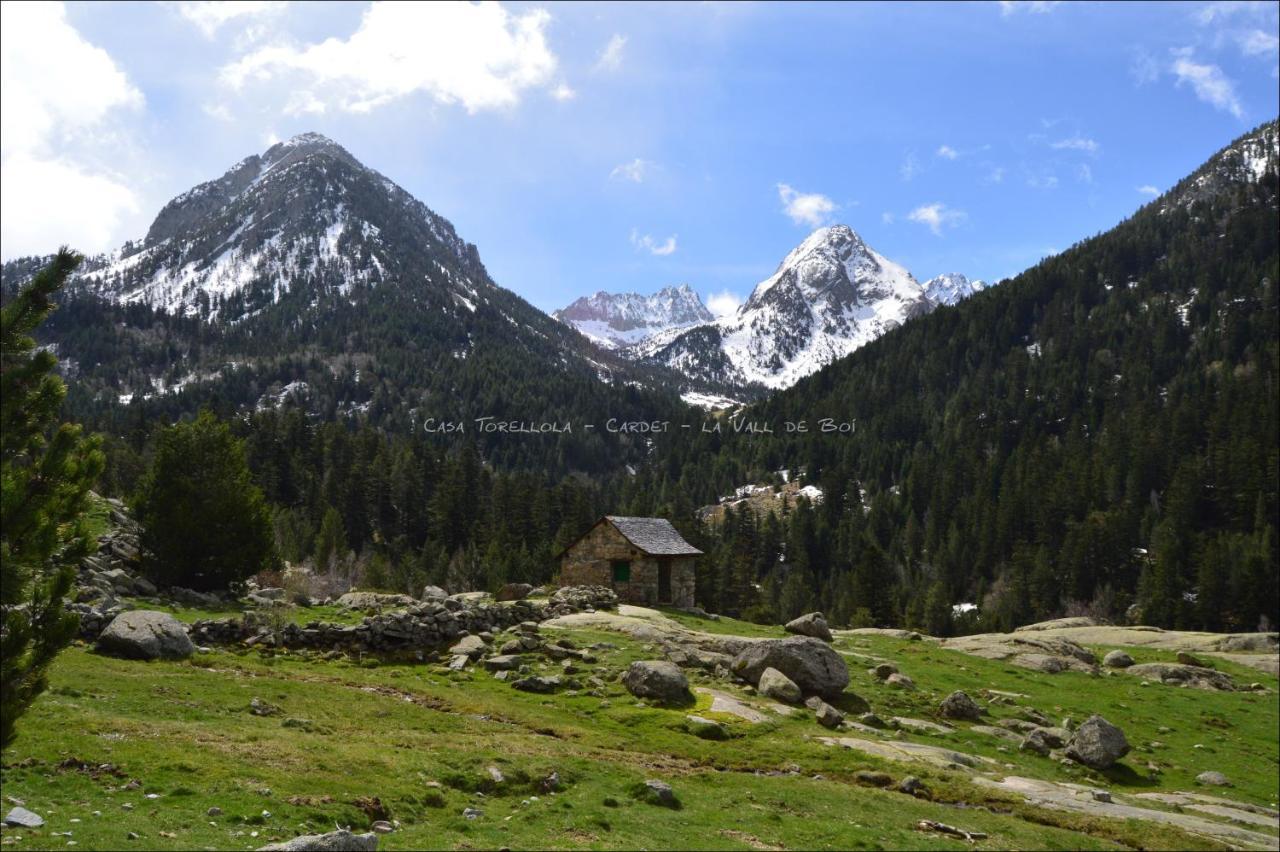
[950, 287]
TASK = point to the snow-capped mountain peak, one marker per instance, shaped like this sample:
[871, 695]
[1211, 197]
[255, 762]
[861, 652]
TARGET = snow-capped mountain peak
[622, 319]
[950, 287]
[830, 295]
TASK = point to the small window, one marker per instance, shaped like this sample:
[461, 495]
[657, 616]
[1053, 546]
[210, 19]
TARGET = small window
[621, 571]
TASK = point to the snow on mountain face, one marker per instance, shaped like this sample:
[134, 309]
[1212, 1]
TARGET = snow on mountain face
[950, 287]
[305, 212]
[622, 319]
[831, 295]
[1245, 161]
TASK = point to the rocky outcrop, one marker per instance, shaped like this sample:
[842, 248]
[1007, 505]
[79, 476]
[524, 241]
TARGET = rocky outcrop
[146, 635]
[335, 841]
[1179, 674]
[809, 662]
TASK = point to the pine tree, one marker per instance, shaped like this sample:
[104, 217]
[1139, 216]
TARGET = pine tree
[205, 525]
[45, 476]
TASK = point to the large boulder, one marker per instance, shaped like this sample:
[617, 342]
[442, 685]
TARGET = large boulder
[1184, 675]
[335, 841]
[809, 662]
[779, 687]
[959, 705]
[1097, 743]
[144, 634]
[373, 600]
[812, 624]
[469, 646]
[1117, 659]
[657, 680]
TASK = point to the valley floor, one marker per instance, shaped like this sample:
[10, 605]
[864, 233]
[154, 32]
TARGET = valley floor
[120, 754]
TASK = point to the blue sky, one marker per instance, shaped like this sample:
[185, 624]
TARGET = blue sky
[632, 146]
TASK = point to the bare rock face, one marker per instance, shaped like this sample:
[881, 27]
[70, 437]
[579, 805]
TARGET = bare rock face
[959, 705]
[657, 680]
[812, 624]
[779, 687]
[335, 841]
[809, 662]
[146, 635]
[1180, 674]
[1097, 743]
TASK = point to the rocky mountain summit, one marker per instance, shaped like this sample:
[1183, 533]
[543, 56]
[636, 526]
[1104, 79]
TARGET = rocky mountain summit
[831, 295]
[624, 319]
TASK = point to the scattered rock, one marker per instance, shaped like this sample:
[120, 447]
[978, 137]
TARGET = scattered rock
[778, 686]
[1101, 796]
[884, 670]
[214, 811]
[1186, 658]
[1097, 743]
[373, 600]
[812, 624]
[1213, 779]
[873, 779]
[912, 786]
[431, 593]
[335, 841]
[900, 681]
[146, 635]
[258, 707]
[810, 663]
[503, 662]
[382, 827]
[1037, 741]
[657, 680]
[471, 813]
[23, 818]
[959, 705]
[469, 646]
[827, 716]
[706, 729]
[537, 684]
[1117, 660]
[659, 793]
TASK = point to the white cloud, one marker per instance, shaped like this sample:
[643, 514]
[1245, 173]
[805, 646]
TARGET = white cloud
[1036, 7]
[1084, 174]
[1231, 8]
[222, 112]
[724, 304]
[563, 92]
[995, 175]
[910, 166]
[1043, 182]
[303, 102]
[611, 57]
[936, 216]
[947, 152]
[1208, 82]
[1076, 143]
[209, 17]
[58, 96]
[886, 217]
[644, 242]
[1148, 189]
[805, 208]
[479, 55]
[1144, 68]
[1255, 42]
[635, 171]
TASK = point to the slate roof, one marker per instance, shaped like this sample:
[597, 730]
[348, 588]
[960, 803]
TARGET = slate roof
[655, 536]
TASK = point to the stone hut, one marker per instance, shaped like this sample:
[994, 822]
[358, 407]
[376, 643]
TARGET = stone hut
[644, 560]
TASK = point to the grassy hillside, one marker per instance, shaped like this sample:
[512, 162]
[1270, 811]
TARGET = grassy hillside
[118, 748]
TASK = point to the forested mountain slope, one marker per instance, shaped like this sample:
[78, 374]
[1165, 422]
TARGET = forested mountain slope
[1097, 431]
[302, 276]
